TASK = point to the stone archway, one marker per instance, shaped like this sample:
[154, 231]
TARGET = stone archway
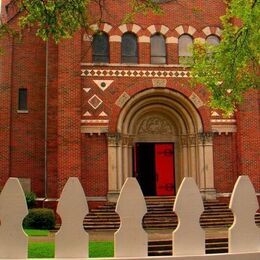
[161, 115]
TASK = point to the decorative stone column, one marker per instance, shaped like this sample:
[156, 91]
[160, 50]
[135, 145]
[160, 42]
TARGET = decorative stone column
[127, 145]
[184, 161]
[192, 157]
[113, 188]
[208, 190]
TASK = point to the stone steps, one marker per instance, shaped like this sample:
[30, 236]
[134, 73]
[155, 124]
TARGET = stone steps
[164, 247]
[160, 215]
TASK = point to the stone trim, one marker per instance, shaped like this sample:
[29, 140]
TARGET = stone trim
[172, 40]
[94, 129]
[224, 129]
[135, 73]
[115, 38]
[144, 39]
[210, 30]
[98, 65]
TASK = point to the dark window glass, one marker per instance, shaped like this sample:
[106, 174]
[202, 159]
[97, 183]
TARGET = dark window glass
[158, 49]
[22, 99]
[100, 48]
[212, 40]
[185, 45]
[129, 48]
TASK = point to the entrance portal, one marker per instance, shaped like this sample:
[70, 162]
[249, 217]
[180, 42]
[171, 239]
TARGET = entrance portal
[154, 168]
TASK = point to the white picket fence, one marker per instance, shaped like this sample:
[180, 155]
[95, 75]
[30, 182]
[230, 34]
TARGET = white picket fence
[131, 241]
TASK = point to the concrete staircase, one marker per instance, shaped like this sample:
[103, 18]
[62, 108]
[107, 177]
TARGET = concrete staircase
[160, 215]
[216, 217]
[164, 247]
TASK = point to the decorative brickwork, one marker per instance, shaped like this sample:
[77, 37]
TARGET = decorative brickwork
[84, 119]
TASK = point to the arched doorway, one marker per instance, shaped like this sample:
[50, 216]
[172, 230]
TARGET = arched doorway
[157, 117]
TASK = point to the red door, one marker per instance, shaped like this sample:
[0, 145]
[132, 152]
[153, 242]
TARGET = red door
[164, 169]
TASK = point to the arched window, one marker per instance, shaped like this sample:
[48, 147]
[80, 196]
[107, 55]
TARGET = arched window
[185, 45]
[129, 48]
[158, 49]
[100, 48]
[212, 40]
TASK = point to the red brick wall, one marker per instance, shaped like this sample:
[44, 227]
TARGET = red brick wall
[5, 115]
[52, 119]
[248, 149]
[225, 162]
[71, 153]
[27, 129]
[69, 110]
[94, 176]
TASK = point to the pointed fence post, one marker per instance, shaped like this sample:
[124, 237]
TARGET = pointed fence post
[13, 209]
[71, 241]
[131, 240]
[244, 235]
[189, 237]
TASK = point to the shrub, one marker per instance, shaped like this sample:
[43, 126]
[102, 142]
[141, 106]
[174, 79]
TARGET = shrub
[30, 199]
[40, 218]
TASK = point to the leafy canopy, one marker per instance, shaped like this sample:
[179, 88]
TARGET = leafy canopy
[231, 68]
[59, 19]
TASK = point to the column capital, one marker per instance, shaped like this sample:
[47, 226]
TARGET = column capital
[127, 140]
[113, 139]
[205, 137]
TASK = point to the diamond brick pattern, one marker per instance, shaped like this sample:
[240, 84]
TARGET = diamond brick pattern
[95, 101]
[135, 73]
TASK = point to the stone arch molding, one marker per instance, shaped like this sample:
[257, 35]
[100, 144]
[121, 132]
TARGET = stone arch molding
[161, 115]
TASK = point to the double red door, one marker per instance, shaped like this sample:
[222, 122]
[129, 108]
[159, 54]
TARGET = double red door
[154, 168]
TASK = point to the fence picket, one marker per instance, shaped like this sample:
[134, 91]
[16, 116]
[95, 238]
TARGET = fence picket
[244, 235]
[131, 240]
[71, 241]
[13, 209]
[189, 237]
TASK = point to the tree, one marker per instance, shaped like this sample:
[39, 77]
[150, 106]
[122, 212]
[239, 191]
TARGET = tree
[231, 68]
[59, 19]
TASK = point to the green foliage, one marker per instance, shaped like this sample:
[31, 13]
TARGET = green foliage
[40, 218]
[55, 18]
[231, 68]
[138, 6]
[59, 19]
[30, 199]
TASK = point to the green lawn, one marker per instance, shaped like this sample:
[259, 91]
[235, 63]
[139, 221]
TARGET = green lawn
[46, 249]
[36, 232]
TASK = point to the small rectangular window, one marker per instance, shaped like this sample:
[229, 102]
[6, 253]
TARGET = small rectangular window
[22, 99]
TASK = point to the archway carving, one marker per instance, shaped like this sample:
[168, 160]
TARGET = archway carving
[161, 115]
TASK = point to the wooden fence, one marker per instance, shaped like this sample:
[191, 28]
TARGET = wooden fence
[131, 241]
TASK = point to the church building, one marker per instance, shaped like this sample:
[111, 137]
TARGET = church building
[116, 102]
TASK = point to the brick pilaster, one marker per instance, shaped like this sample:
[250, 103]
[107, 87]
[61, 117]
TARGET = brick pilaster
[5, 111]
[69, 110]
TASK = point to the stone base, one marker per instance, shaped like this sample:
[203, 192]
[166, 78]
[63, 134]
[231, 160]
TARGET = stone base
[112, 196]
[208, 194]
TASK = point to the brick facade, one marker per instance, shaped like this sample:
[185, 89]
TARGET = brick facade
[86, 101]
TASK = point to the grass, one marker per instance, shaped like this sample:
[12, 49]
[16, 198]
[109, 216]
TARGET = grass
[36, 232]
[46, 249]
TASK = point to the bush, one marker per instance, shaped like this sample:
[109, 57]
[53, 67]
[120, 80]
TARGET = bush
[30, 199]
[39, 218]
